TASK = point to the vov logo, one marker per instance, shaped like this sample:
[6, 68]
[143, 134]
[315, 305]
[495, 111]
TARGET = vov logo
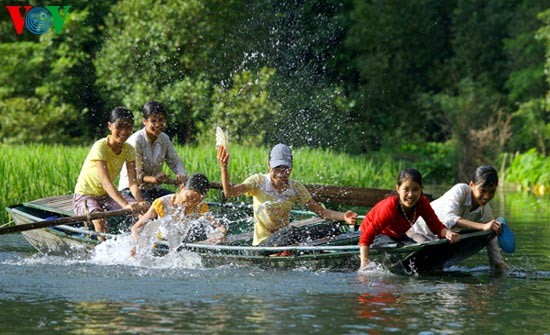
[38, 20]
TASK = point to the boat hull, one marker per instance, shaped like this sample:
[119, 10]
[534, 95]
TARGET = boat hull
[51, 241]
[337, 253]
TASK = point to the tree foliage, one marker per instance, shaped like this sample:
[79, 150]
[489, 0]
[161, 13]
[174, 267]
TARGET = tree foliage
[351, 75]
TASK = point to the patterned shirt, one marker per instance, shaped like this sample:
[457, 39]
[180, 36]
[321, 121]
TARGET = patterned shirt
[271, 208]
[150, 157]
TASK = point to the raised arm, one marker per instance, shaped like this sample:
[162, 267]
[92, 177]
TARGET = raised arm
[229, 190]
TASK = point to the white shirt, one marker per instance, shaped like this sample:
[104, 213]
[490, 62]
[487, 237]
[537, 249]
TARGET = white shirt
[150, 157]
[456, 203]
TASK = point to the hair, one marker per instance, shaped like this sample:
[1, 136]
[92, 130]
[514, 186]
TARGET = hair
[197, 182]
[409, 174]
[120, 113]
[153, 107]
[485, 175]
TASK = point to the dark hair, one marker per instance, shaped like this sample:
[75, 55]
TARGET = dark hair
[120, 113]
[485, 175]
[409, 174]
[153, 107]
[197, 182]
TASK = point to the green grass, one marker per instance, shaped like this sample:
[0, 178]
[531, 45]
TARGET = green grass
[30, 172]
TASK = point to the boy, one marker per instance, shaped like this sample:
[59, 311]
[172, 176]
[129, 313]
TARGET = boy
[275, 193]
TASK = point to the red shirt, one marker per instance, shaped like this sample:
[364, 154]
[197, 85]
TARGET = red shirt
[387, 218]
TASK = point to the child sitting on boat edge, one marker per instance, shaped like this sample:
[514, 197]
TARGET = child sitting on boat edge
[95, 190]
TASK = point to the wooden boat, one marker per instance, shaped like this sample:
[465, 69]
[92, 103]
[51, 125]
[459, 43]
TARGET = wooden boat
[339, 251]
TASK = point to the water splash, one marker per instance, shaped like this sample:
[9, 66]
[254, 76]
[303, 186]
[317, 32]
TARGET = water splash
[373, 269]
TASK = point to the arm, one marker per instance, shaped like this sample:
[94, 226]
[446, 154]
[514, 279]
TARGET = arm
[143, 220]
[229, 190]
[364, 254]
[493, 225]
[174, 162]
[134, 186]
[349, 216]
[108, 185]
[426, 211]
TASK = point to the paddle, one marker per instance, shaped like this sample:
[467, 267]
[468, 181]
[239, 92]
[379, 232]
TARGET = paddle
[63, 220]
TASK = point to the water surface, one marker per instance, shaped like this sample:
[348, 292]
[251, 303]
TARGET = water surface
[105, 294]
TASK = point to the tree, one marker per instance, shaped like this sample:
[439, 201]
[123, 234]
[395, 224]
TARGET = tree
[47, 80]
[396, 49]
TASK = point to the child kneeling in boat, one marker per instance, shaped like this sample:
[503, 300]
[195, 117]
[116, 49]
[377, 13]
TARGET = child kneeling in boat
[391, 218]
[185, 205]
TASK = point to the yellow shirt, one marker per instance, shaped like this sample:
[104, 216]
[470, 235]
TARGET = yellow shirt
[272, 209]
[89, 182]
[164, 206]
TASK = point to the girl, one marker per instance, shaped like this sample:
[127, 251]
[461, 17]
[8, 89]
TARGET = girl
[466, 206]
[187, 203]
[95, 191]
[153, 148]
[390, 218]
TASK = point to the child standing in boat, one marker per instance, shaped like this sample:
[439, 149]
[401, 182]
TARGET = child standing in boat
[275, 193]
[466, 206]
[186, 204]
[95, 190]
[392, 217]
[153, 149]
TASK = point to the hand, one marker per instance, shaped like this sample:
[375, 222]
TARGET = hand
[138, 207]
[223, 156]
[492, 225]
[452, 236]
[180, 179]
[364, 265]
[144, 206]
[133, 252]
[350, 217]
[161, 178]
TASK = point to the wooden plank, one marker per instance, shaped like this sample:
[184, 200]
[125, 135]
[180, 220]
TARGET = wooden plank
[355, 196]
[62, 204]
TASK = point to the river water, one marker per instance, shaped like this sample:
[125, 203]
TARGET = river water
[103, 294]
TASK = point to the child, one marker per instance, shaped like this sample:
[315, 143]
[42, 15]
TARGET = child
[390, 218]
[275, 193]
[466, 206]
[94, 190]
[187, 203]
[153, 148]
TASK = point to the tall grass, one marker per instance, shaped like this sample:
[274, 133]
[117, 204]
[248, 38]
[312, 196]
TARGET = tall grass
[29, 172]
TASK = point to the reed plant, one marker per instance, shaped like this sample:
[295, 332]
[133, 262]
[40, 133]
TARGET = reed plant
[34, 171]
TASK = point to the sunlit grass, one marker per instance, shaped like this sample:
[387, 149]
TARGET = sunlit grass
[29, 172]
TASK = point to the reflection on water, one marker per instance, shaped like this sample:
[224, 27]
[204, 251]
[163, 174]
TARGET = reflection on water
[108, 294]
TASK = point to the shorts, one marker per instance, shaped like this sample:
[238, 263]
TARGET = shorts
[96, 203]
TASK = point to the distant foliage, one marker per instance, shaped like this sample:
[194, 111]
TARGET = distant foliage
[531, 172]
[353, 76]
